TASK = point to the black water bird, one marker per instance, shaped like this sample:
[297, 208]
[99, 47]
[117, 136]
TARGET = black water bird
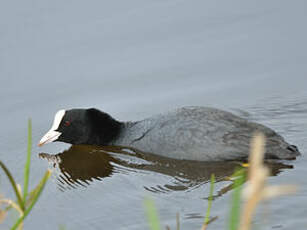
[189, 133]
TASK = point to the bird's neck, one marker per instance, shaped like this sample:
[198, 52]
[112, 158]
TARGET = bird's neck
[104, 129]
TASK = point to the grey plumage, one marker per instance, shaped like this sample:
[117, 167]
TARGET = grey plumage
[201, 133]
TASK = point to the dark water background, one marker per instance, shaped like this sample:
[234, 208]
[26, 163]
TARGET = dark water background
[134, 59]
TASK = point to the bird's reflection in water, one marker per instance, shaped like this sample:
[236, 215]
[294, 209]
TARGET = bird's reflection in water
[81, 164]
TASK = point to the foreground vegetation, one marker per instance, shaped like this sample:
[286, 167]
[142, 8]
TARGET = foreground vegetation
[252, 194]
[25, 200]
[240, 218]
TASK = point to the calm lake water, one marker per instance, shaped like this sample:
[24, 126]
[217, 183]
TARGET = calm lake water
[134, 59]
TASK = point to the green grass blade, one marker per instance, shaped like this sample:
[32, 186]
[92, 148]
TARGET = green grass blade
[177, 221]
[212, 181]
[27, 165]
[62, 227]
[14, 185]
[27, 211]
[33, 193]
[236, 199]
[152, 214]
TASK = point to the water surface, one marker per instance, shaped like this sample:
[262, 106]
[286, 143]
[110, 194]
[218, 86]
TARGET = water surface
[134, 59]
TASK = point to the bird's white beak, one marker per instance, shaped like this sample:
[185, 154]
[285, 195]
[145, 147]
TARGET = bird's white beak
[53, 135]
[50, 136]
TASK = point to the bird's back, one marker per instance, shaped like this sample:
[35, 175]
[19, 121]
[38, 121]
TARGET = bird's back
[201, 133]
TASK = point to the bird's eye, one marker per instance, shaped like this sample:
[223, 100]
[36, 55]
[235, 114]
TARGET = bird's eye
[67, 123]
